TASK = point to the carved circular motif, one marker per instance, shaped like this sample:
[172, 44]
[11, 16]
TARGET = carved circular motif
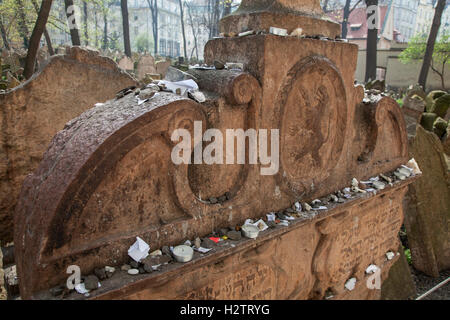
[313, 122]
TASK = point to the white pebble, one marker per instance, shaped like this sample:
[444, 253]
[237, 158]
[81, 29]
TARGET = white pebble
[133, 271]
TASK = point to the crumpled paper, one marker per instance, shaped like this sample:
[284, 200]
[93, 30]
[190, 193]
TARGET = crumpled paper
[139, 250]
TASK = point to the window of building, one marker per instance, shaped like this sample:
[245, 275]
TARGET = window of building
[162, 47]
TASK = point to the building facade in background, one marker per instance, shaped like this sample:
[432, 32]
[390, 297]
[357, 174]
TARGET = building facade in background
[169, 26]
[425, 14]
[405, 13]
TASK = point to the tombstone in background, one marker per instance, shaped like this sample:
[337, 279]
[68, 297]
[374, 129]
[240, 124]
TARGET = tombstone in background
[400, 284]
[42, 56]
[288, 14]
[162, 67]
[146, 64]
[2, 278]
[428, 213]
[36, 110]
[126, 64]
[413, 108]
[109, 177]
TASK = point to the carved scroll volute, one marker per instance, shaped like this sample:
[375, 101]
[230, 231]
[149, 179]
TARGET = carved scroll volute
[241, 95]
[104, 184]
[312, 111]
[384, 125]
[391, 127]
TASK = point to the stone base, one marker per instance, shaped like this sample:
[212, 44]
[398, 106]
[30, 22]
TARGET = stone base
[309, 259]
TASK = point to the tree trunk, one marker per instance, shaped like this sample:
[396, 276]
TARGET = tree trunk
[4, 37]
[23, 29]
[51, 52]
[153, 5]
[216, 19]
[372, 40]
[227, 8]
[345, 19]
[105, 30]
[36, 38]
[183, 32]
[325, 6]
[73, 26]
[126, 28]
[96, 26]
[191, 22]
[431, 41]
[86, 30]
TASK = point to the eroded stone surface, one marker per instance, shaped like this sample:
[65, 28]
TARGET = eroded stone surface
[260, 15]
[399, 285]
[109, 178]
[428, 213]
[126, 63]
[146, 64]
[32, 113]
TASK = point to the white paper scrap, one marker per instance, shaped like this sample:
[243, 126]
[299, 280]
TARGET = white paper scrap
[139, 250]
[271, 217]
[261, 225]
[202, 250]
[248, 221]
[184, 86]
[81, 289]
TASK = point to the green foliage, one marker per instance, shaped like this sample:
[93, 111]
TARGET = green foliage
[143, 43]
[408, 255]
[418, 45]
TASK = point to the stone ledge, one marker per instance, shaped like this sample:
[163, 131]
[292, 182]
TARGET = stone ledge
[121, 284]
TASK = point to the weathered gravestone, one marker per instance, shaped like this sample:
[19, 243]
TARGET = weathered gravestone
[126, 64]
[34, 112]
[428, 213]
[413, 108]
[109, 177]
[162, 66]
[400, 284]
[146, 64]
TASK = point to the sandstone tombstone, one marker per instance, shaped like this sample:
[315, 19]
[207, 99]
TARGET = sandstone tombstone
[146, 64]
[109, 177]
[260, 15]
[42, 55]
[126, 64]
[162, 66]
[400, 284]
[428, 212]
[2, 279]
[413, 109]
[32, 113]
